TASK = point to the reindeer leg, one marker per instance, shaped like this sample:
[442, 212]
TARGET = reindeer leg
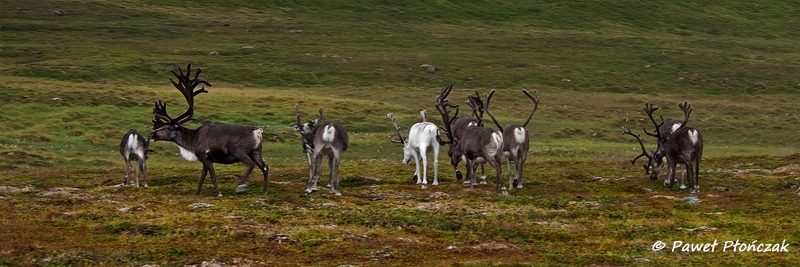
[470, 173]
[483, 174]
[696, 172]
[417, 178]
[435, 163]
[691, 178]
[144, 172]
[424, 157]
[312, 181]
[521, 158]
[138, 162]
[255, 156]
[495, 162]
[508, 163]
[213, 175]
[127, 170]
[336, 160]
[202, 177]
[310, 166]
[330, 173]
[243, 181]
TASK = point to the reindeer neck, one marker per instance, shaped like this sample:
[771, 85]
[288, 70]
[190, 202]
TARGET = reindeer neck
[186, 137]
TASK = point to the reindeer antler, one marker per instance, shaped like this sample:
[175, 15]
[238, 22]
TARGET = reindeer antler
[535, 98]
[649, 109]
[160, 114]
[391, 117]
[442, 103]
[644, 151]
[187, 87]
[297, 115]
[687, 110]
[486, 108]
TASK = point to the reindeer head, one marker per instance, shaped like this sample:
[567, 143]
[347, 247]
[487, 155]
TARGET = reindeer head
[306, 130]
[167, 128]
[408, 151]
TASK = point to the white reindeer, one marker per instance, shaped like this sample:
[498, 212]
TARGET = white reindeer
[421, 136]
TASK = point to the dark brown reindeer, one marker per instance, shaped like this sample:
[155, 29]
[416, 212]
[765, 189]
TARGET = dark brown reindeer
[481, 145]
[667, 127]
[134, 147]
[327, 139]
[209, 144]
[682, 144]
[516, 142]
[455, 126]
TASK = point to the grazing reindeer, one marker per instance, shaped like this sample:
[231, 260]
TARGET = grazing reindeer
[687, 141]
[461, 123]
[328, 139]
[516, 142]
[134, 147]
[209, 144]
[684, 145]
[667, 127]
[481, 145]
[421, 136]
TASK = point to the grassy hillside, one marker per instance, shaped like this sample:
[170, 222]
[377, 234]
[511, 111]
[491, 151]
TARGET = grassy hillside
[76, 75]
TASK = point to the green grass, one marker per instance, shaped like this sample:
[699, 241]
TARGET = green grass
[72, 85]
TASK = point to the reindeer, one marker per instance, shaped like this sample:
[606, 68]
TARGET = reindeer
[210, 143]
[481, 145]
[326, 139]
[516, 142]
[667, 127]
[307, 131]
[421, 136]
[683, 143]
[134, 147]
[459, 124]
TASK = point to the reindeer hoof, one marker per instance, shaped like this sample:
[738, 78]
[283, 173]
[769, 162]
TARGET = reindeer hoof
[435, 183]
[219, 195]
[459, 175]
[414, 178]
[309, 191]
[241, 188]
[682, 187]
[338, 194]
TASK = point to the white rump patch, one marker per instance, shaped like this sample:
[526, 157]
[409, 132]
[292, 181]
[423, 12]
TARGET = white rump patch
[693, 135]
[329, 133]
[135, 146]
[519, 135]
[497, 138]
[257, 135]
[188, 154]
